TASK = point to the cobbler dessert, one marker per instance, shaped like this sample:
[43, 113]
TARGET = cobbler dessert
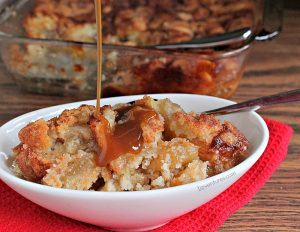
[148, 144]
[138, 22]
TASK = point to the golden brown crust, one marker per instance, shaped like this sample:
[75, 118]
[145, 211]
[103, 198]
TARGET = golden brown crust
[30, 163]
[202, 128]
[71, 117]
[229, 141]
[45, 144]
[35, 135]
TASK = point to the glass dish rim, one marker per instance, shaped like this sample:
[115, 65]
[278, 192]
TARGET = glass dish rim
[8, 38]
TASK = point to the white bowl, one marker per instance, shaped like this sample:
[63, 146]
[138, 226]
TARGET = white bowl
[133, 211]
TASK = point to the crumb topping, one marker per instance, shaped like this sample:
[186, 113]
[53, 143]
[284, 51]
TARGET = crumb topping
[177, 148]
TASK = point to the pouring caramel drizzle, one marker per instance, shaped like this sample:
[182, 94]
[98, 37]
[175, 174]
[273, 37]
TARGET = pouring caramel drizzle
[99, 54]
[127, 136]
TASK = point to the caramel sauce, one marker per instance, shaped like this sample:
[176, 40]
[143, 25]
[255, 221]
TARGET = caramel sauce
[99, 53]
[127, 136]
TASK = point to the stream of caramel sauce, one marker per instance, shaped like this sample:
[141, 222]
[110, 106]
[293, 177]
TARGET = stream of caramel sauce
[127, 136]
[98, 8]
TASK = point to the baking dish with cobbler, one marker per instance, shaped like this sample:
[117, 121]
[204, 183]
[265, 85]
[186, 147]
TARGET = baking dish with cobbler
[51, 46]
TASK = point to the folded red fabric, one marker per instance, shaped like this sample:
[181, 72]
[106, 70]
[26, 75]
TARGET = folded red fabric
[20, 214]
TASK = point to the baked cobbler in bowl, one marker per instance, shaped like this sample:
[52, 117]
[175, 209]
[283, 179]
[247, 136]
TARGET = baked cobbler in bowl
[137, 165]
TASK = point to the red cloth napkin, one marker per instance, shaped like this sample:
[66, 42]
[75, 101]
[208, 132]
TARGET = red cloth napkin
[20, 214]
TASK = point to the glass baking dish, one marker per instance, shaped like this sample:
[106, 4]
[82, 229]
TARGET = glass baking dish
[66, 65]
